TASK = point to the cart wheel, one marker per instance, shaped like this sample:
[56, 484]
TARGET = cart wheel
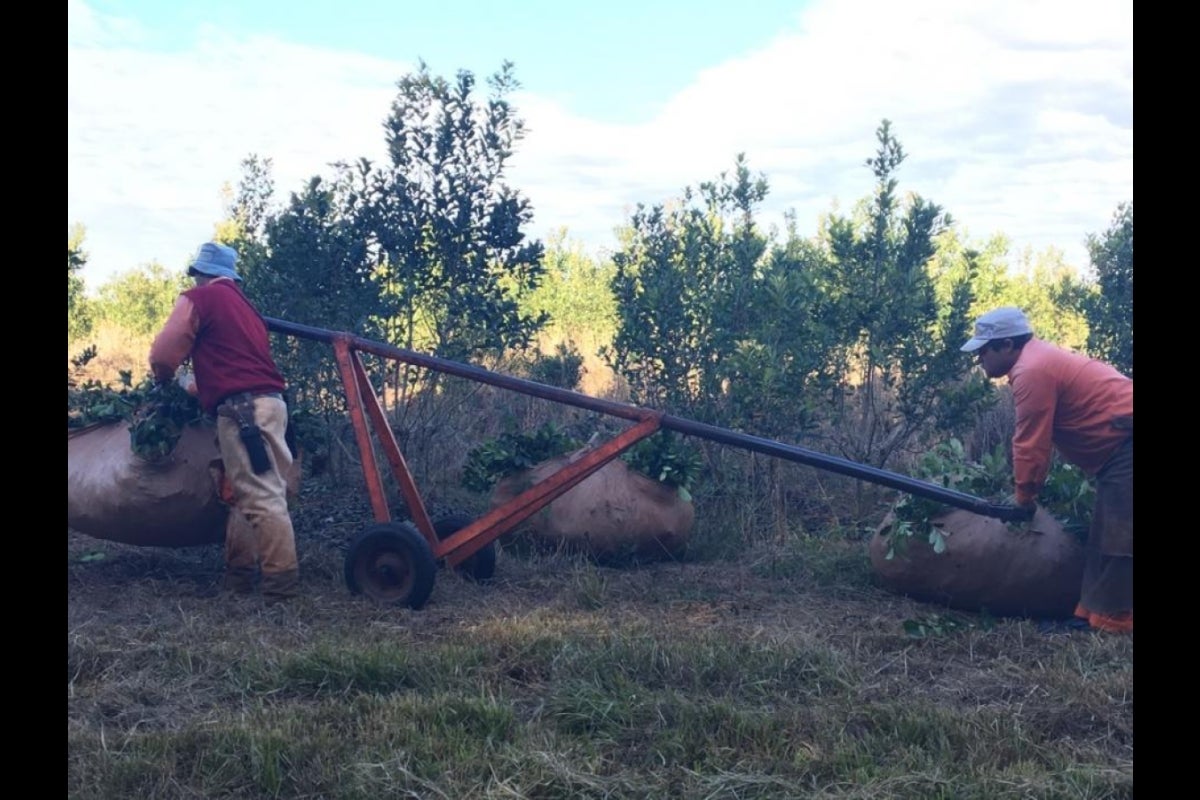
[391, 563]
[480, 567]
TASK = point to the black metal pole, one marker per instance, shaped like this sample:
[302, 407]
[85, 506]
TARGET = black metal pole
[687, 427]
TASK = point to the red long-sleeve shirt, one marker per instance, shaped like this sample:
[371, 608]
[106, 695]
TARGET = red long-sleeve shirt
[1067, 401]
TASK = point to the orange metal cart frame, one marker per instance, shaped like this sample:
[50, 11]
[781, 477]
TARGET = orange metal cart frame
[459, 546]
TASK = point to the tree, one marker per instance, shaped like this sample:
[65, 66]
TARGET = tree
[1050, 293]
[453, 262]
[1043, 285]
[987, 271]
[79, 312]
[719, 323]
[453, 259]
[140, 300]
[777, 366]
[897, 362]
[575, 292]
[247, 214]
[314, 269]
[426, 252]
[1110, 311]
[684, 284]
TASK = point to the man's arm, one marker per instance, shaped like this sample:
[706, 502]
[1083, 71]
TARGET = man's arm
[1033, 441]
[174, 342]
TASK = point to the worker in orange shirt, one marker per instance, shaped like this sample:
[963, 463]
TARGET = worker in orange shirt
[1084, 408]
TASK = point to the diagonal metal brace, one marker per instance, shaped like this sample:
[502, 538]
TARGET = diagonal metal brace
[462, 545]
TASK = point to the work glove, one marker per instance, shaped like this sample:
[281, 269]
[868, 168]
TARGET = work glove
[1026, 512]
[1021, 518]
[188, 381]
[1014, 513]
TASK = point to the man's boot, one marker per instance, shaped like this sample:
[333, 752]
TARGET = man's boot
[239, 580]
[277, 586]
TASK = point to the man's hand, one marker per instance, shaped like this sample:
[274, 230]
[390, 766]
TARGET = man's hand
[1023, 511]
[188, 381]
[1027, 511]
[1018, 512]
[1014, 514]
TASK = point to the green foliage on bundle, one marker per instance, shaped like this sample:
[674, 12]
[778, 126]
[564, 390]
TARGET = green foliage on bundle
[661, 457]
[156, 415]
[1067, 494]
[1070, 496]
[667, 460]
[512, 452]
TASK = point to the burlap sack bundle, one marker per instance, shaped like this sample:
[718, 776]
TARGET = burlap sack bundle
[175, 501]
[615, 512]
[114, 494]
[1029, 570]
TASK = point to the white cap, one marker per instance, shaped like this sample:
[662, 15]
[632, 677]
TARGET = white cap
[999, 323]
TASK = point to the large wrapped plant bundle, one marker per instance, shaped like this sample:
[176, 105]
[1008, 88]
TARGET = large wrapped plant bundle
[984, 564]
[170, 501]
[970, 562]
[614, 513]
[144, 466]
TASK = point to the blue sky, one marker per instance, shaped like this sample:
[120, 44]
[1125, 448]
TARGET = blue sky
[613, 61]
[1016, 115]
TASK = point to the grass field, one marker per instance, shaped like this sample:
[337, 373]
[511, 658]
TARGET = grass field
[782, 674]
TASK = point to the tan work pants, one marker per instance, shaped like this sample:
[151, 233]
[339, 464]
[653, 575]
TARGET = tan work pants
[259, 530]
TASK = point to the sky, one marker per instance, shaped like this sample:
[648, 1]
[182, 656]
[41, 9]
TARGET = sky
[1016, 115]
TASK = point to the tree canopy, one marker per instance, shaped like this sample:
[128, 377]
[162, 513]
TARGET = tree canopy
[1110, 310]
[79, 315]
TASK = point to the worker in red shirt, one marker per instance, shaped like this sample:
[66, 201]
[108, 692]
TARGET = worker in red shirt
[237, 380]
[1083, 408]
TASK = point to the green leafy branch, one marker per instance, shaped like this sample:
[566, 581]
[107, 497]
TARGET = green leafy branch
[667, 460]
[661, 457]
[512, 452]
[1067, 494]
[156, 416]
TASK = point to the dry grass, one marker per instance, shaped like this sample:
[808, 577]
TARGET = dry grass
[784, 673]
[117, 349]
[597, 378]
[767, 665]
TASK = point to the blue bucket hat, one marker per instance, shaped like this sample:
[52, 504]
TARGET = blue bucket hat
[216, 261]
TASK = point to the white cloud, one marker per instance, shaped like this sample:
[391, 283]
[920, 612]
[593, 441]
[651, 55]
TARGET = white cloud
[152, 137]
[1017, 118]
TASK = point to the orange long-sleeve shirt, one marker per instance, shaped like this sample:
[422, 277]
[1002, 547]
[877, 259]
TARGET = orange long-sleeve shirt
[1067, 401]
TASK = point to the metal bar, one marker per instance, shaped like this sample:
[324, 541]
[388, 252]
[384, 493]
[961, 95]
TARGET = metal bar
[687, 427]
[379, 505]
[499, 521]
[540, 390]
[387, 440]
[841, 466]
